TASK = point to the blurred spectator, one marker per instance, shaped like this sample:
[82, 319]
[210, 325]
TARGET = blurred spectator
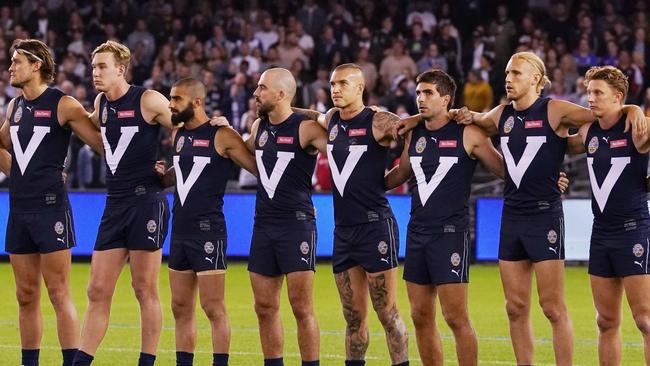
[645, 103]
[312, 17]
[634, 76]
[432, 60]
[395, 63]
[503, 30]
[422, 14]
[326, 47]
[142, 35]
[267, 36]
[418, 42]
[580, 97]
[585, 58]
[477, 94]
[289, 51]
[244, 55]
[305, 40]
[369, 69]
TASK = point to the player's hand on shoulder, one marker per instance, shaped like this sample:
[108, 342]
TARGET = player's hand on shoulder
[563, 182]
[219, 121]
[461, 115]
[160, 168]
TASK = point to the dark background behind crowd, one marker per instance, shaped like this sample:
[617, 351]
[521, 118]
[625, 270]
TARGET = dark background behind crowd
[228, 44]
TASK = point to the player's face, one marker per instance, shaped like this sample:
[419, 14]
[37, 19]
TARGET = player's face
[21, 70]
[106, 71]
[520, 78]
[602, 98]
[430, 103]
[266, 96]
[346, 88]
[180, 105]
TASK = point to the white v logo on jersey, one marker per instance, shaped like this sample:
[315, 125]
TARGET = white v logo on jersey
[183, 186]
[601, 194]
[517, 171]
[425, 189]
[270, 183]
[23, 157]
[113, 157]
[340, 178]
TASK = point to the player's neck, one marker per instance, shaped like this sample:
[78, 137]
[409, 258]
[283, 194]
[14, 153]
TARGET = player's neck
[524, 102]
[610, 118]
[436, 122]
[117, 90]
[280, 113]
[351, 110]
[199, 118]
[33, 91]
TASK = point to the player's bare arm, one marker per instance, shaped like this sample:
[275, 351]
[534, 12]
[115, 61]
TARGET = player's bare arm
[407, 124]
[250, 140]
[642, 140]
[313, 138]
[72, 113]
[401, 172]
[487, 121]
[230, 145]
[563, 114]
[323, 119]
[155, 109]
[478, 145]
[94, 116]
[576, 142]
[5, 162]
[5, 135]
[383, 125]
[167, 175]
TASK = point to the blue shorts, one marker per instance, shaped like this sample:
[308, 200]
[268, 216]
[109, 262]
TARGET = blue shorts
[141, 226]
[45, 232]
[197, 255]
[437, 259]
[535, 238]
[373, 246]
[619, 257]
[275, 253]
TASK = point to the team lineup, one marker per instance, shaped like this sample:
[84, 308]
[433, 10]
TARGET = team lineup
[441, 147]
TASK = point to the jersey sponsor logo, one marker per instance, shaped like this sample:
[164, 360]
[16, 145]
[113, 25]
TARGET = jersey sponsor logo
[593, 145]
[455, 259]
[42, 113]
[601, 193]
[285, 140]
[447, 143]
[23, 157]
[18, 115]
[421, 145]
[551, 236]
[113, 157]
[357, 132]
[304, 248]
[263, 138]
[617, 143]
[508, 124]
[151, 226]
[334, 132]
[183, 186]
[126, 114]
[201, 143]
[382, 247]
[180, 143]
[425, 189]
[638, 250]
[270, 183]
[340, 177]
[517, 171]
[208, 247]
[58, 228]
[534, 124]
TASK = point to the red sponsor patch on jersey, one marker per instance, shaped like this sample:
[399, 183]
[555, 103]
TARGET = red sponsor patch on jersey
[126, 114]
[357, 132]
[447, 143]
[617, 143]
[285, 140]
[535, 124]
[201, 143]
[42, 114]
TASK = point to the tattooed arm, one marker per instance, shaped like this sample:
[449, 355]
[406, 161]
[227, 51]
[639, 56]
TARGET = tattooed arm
[383, 125]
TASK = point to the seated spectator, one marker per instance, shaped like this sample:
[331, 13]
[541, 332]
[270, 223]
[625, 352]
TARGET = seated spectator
[477, 94]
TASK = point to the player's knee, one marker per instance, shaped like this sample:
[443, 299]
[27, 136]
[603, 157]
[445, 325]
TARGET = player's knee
[422, 316]
[302, 310]
[388, 315]
[59, 296]
[27, 296]
[216, 311]
[98, 293]
[456, 320]
[266, 309]
[553, 312]
[181, 308]
[145, 292]
[516, 310]
[643, 323]
[607, 323]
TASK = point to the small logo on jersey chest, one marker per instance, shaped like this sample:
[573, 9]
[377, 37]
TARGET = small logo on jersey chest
[39, 113]
[638, 250]
[334, 132]
[151, 226]
[104, 115]
[208, 247]
[455, 259]
[617, 143]
[126, 114]
[508, 124]
[357, 132]
[58, 228]
[534, 124]
[593, 145]
[382, 247]
[447, 143]
[180, 143]
[421, 145]
[304, 248]
[285, 140]
[201, 143]
[18, 115]
[264, 137]
[551, 236]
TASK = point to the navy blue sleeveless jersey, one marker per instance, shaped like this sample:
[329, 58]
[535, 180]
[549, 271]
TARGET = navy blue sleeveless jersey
[358, 164]
[617, 172]
[443, 173]
[533, 154]
[39, 148]
[285, 169]
[130, 145]
[201, 177]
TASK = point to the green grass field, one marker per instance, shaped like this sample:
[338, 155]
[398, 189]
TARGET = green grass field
[121, 345]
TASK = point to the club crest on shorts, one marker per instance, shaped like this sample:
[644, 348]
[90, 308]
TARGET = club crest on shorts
[551, 236]
[180, 143]
[104, 116]
[638, 250]
[264, 137]
[58, 228]
[382, 247]
[508, 124]
[208, 247]
[593, 145]
[420, 145]
[455, 259]
[334, 132]
[151, 226]
[304, 248]
[18, 115]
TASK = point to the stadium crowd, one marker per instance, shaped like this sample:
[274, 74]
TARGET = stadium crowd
[229, 45]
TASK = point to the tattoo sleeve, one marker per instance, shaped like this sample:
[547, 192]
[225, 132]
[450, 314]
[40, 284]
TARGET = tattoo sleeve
[387, 123]
[311, 114]
[394, 327]
[356, 332]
